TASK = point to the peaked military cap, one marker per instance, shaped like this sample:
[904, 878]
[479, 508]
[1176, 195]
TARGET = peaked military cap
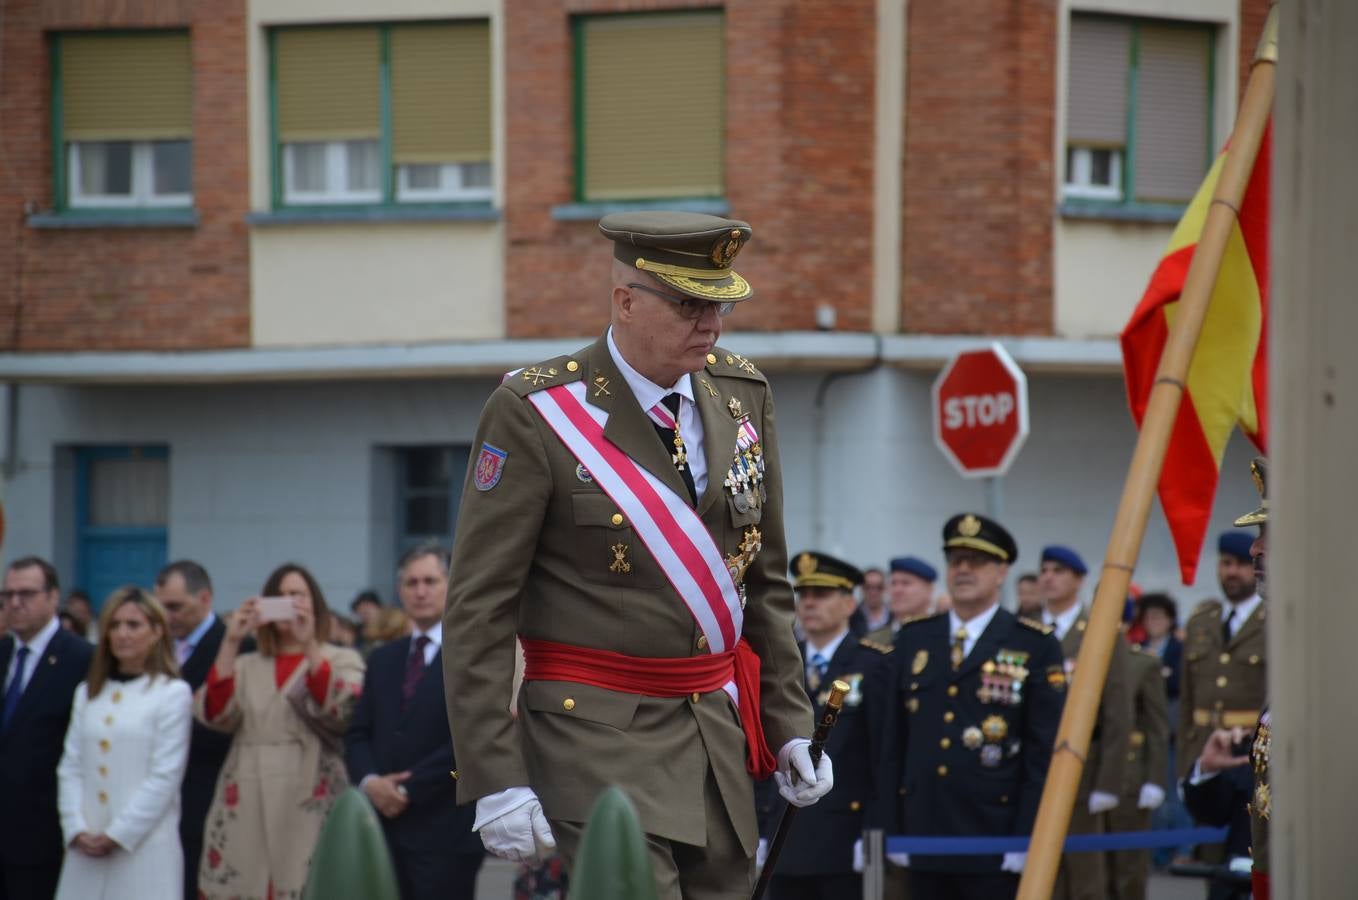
[690, 252]
[811, 569]
[1236, 543]
[1064, 556]
[1259, 470]
[977, 532]
[913, 565]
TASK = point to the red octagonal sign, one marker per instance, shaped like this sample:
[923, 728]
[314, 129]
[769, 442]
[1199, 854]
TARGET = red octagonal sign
[981, 411]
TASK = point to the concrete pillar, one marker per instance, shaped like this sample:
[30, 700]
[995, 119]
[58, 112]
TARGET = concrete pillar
[1313, 623]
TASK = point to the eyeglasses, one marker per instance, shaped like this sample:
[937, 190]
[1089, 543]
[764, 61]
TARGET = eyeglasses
[24, 595]
[690, 307]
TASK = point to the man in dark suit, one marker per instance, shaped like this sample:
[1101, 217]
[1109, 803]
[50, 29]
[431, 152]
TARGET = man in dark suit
[41, 665]
[978, 697]
[818, 861]
[400, 753]
[184, 589]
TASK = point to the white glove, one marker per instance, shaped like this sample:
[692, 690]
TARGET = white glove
[513, 826]
[859, 863]
[1152, 795]
[900, 859]
[1014, 862]
[1100, 802]
[761, 853]
[815, 782]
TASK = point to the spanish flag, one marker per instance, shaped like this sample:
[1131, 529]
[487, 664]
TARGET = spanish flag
[1228, 377]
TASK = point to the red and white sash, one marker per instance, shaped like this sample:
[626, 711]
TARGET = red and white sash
[666, 524]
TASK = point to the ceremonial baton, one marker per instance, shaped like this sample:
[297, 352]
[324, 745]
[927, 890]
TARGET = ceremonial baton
[827, 721]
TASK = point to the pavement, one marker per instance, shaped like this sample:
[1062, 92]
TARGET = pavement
[497, 880]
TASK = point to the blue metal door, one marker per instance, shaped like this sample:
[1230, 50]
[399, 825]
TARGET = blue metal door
[122, 513]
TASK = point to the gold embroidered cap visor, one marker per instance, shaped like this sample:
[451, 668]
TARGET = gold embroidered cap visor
[976, 532]
[690, 252]
[812, 569]
[1259, 472]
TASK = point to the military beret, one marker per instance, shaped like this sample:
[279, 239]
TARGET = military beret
[811, 569]
[980, 533]
[1259, 472]
[690, 252]
[914, 566]
[1236, 543]
[1064, 556]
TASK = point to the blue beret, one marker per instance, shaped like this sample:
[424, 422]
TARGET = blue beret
[1235, 543]
[915, 566]
[1066, 557]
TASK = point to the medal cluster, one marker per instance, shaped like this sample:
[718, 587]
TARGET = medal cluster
[1002, 678]
[745, 479]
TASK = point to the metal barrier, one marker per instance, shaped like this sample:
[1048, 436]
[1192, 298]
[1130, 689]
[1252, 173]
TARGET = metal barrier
[876, 846]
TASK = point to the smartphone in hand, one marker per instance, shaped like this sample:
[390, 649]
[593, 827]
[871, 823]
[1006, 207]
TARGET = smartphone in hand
[275, 609]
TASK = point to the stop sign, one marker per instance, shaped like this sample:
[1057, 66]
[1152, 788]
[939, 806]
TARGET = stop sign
[981, 411]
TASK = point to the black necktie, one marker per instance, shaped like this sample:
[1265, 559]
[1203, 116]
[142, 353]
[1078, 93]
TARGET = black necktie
[1226, 628]
[671, 402]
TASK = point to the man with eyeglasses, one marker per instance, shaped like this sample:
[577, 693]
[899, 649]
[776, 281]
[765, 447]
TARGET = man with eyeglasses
[623, 518]
[42, 664]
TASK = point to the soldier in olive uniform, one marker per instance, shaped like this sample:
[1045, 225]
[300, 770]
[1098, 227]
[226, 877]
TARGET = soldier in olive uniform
[818, 860]
[1144, 784]
[644, 587]
[1224, 672]
[978, 697]
[1082, 876]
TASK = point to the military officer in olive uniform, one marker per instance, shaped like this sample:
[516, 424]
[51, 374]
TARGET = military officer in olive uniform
[1144, 783]
[642, 585]
[818, 858]
[978, 697]
[1225, 676]
[1083, 876]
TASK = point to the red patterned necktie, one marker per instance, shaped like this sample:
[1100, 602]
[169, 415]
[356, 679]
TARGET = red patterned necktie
[414, 669]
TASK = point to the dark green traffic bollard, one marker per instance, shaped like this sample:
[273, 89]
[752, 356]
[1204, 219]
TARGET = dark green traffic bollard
[612, 863]
[351, 858]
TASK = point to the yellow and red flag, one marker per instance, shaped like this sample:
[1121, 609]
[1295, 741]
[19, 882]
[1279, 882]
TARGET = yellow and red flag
[1228, 377]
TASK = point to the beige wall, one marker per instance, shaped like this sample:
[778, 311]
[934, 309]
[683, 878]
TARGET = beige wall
[376, 284]
[1101, 268]
[370, 283]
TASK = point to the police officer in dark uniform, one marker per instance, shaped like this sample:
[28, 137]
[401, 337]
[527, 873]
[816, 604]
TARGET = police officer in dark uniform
[819, 859]
[978, 697]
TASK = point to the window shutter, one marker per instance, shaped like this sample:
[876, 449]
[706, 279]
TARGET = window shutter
[1096, 83]
[126, 86]
[440, 93]
[653, 116]
[1172, 114]
[328, 84]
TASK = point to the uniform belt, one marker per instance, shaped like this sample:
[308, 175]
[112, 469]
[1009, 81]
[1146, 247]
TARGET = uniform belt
[661, 677]
[1226, 718]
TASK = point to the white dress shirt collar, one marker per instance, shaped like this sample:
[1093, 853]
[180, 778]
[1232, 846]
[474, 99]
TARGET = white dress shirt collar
[829, 650]
[1061, 623]
[196, 636]
[36, 647]
[435, 635]
[647, 392]
[1242, 612]
[975, 627]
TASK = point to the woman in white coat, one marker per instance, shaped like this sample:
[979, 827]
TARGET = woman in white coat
[126, 749]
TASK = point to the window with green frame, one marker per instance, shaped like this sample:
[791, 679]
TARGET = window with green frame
[381, 114]
[650, 106]
[1139, 105]
[122, 120]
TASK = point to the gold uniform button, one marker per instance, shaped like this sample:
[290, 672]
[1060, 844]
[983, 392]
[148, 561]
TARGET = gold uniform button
[108, 720]
[572, 366]
[702, 642]
[1131, 757]
[696, 697]
[103, 798]
[945, 743]
[948, 716]
[568, 704]
[854, 806]
[617, 518]
[1224, 658]
[103, 771]
[942, 771]
[1254, 660]
[914, 685]
[952, 690]
[1221, 681]
[1004, 798]
[104, 745]
[711, 359]
[912, 704]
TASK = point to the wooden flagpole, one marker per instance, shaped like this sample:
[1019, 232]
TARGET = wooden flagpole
[1124, 545]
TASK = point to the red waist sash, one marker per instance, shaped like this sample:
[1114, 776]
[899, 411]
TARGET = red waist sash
[661, 677]
[1261, 886]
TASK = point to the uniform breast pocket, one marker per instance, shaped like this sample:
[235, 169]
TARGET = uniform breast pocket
[610, 552]
[742, 513]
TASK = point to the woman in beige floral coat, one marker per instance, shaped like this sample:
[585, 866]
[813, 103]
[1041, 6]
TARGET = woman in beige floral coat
[287, 706]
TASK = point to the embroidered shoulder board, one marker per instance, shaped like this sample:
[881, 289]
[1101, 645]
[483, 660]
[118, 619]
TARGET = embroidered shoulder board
[1207, 608]
[913, 620]
[733, 364]
[550, 373]
[1035, 625]
[874, 645]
